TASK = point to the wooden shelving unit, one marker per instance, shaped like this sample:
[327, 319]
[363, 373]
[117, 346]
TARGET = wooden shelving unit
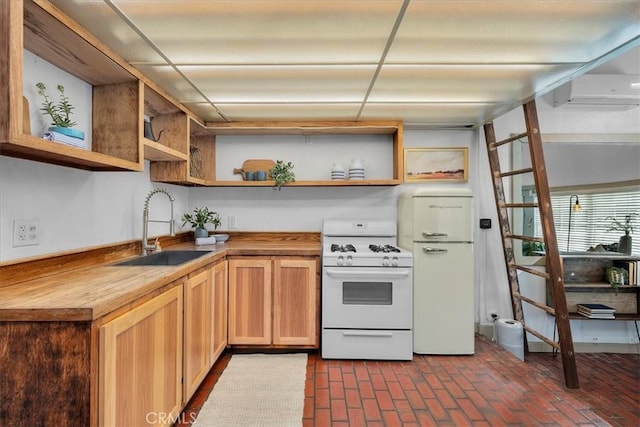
[39, 27]
[585, 282]
[203, 138]
[170, 127]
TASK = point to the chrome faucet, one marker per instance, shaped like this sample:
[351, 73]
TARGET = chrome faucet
[146, 247]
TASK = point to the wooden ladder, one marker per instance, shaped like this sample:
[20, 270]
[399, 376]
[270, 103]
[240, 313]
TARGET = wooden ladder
[553, 264]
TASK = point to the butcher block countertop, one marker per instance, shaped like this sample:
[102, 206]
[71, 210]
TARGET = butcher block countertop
[91, 292]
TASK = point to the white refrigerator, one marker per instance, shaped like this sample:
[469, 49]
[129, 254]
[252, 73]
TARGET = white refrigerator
[437, 227]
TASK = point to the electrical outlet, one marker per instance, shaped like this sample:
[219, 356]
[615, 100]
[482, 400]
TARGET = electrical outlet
[26, 232]
[233, 221]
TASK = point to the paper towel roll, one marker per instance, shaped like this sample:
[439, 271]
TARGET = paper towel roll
[509, 334]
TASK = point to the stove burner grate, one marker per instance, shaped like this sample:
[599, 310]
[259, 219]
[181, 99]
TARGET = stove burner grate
[342, 248]
[383, 248]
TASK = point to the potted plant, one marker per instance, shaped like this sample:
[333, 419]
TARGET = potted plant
[625, 225]
[282, 174]
[199, 219]
[60, 113]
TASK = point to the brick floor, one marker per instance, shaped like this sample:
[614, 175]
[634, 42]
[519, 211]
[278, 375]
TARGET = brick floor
[490, 388]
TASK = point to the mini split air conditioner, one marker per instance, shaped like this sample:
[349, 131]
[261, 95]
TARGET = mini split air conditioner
[599, 89]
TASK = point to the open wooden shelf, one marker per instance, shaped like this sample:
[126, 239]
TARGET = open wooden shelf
[203, 136]
[39, 27]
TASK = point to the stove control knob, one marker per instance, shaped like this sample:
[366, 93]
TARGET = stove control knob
[349, 260]
[394, 261]
[385, 261]
[340, 260]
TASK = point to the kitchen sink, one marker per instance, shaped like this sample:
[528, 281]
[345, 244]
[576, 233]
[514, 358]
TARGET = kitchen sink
[164, 258]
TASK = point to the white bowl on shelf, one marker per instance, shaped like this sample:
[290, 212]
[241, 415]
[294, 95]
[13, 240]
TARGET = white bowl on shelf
[221, 238]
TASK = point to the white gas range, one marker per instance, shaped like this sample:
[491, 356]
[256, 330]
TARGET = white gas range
[367, 292]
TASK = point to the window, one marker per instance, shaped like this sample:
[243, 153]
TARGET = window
[589, 226]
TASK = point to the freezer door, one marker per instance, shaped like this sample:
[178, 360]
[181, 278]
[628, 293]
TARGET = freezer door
[447, 219]
[443, 299]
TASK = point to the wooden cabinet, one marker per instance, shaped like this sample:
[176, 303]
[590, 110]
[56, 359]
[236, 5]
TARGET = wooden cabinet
[250, 301]
[141, 363]
[219, 315]
[294, 301]
[205, 324]
[585, 281]
[273, 301]
[198, 318]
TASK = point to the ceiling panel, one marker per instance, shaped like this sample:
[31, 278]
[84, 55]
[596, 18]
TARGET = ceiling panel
[512, 32]
[432, 115]
[472, 83]
[257, 112]
[429, 63]
[265, 31]
[103, 22]
[320, 83]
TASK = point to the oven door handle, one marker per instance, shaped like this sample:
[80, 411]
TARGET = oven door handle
[367, 334]
[383, 273]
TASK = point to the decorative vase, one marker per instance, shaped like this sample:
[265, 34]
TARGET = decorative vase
[624, 245]
[74, 133]
[201, 232]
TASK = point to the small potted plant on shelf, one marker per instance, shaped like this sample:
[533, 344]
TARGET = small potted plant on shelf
[282, 174]
[60, 113]
[626, 226]
[199, 219]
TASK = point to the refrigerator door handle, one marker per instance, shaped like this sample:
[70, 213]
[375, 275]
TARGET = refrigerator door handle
[428, 234]
[428, 250]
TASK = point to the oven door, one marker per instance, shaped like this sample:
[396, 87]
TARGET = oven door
[367, 298]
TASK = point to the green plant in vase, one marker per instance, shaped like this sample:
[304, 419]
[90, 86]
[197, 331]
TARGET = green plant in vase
[282, 174]
[199, 219]
[60, 112]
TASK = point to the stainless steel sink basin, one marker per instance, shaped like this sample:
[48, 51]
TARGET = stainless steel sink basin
[165, 258]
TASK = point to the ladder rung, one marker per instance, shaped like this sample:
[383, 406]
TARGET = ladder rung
[546, 308]
[515, 172]
[508, 140]
[532, 271]
[525, 238]
[542, 337]
[518, 205]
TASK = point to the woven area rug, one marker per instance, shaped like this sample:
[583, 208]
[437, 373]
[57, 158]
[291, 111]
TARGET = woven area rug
[257, 390]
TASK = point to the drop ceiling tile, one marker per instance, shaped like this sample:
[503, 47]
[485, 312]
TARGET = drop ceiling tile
[265, 31]
[171, 81]
[103, 22]
[436, 115]
[472, 83]
[322, 83]
[512, 31]
[257, 112]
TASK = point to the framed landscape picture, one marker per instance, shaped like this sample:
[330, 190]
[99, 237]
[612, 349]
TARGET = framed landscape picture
[436, 164]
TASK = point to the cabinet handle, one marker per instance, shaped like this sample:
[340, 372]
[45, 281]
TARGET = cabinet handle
[427, 234]
[367, 334]
[428, 250]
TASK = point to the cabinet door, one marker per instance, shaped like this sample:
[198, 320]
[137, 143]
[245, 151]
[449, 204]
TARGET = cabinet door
[250, 301]
[141, 364]
[219, 315]
[198, 307]
[295, 302]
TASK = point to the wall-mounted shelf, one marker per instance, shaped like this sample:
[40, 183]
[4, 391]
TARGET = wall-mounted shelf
[40, 28]
[203, 138]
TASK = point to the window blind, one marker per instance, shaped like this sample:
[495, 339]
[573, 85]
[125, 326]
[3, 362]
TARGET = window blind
[589, 226]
